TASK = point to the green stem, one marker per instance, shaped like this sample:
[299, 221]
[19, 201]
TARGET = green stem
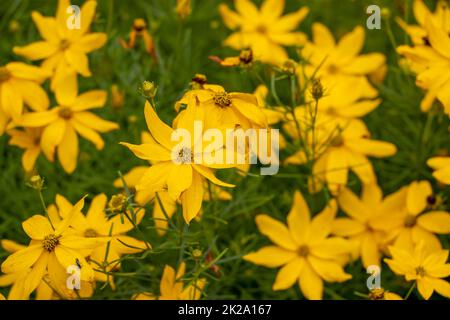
[41, 197]
[410, 290]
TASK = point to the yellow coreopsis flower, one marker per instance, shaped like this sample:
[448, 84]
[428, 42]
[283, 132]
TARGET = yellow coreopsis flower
[53, 248]
[265, 31]
[441, 165]
[172, 286]
[225, 110]
[439, 17]
[339, 145]
[47, 288]
[352, 98]
[65, 44]
[360, 225]
[429, 270]
[304, 249]
[411, 221]
[432, 64]
[30, 140]
[333, 62]
[96, 224]
[19, 85]
[177, 170]
[63, 122]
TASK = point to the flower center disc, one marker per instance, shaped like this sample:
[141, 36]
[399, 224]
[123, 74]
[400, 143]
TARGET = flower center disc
[222, 99]
[303, 251]
[410, 221]
[90, 233]
[50, 242]
[420, 271]
[261, 29]
[337, 141]
[64, 44]
[185, 156]
[4, 74]
[65, 113]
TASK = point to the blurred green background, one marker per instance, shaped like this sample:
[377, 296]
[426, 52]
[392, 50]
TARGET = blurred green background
[183, 48]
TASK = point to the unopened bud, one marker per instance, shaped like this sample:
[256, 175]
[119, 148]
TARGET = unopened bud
[148, 89]
[36, 182]
[197, 254]
[316, 89]
[118, 203]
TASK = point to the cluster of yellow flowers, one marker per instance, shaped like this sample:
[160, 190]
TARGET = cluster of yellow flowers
[334, 138]
[25, 104]
[333, 86]
[429, 58]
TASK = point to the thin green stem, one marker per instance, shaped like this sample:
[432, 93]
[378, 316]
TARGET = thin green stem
[410, 291]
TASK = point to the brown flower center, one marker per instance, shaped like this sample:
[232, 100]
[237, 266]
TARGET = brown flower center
[333, 69]
[90, 233]
[303, 251]
[64, 44]
[185, 156]
[4, 74]
[410, 221]
[261, 29]
[420, 271]
[337, 141]
[65, 113]
[222, 99]
[50, 242]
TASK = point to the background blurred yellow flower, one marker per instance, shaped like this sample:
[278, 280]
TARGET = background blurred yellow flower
[265, 31]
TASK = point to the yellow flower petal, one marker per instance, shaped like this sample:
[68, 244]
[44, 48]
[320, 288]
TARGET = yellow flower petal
[179, 179]
[22, 259]
[68, 150]
[328, 270]
[37, 227]
[191, 199]
[310, 283]
[299, 218]
[416, 199]
[37, 50]
[435, 221]
[52, 136]
[275, 231]
[271, 256]
[289, 274]
[148, 151]
[158, 129]
[425, 287]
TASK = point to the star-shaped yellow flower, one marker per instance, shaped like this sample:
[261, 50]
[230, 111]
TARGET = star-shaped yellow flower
[359, 226]
[410, 219]
[63, 122]
[429, 270]
[304, 249]
[265, 31]
[176, 167]
[53, 247]
[64, 49]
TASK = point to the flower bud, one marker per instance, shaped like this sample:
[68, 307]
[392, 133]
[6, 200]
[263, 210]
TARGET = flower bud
[36, 182]
[317, 89]
[148, 89]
